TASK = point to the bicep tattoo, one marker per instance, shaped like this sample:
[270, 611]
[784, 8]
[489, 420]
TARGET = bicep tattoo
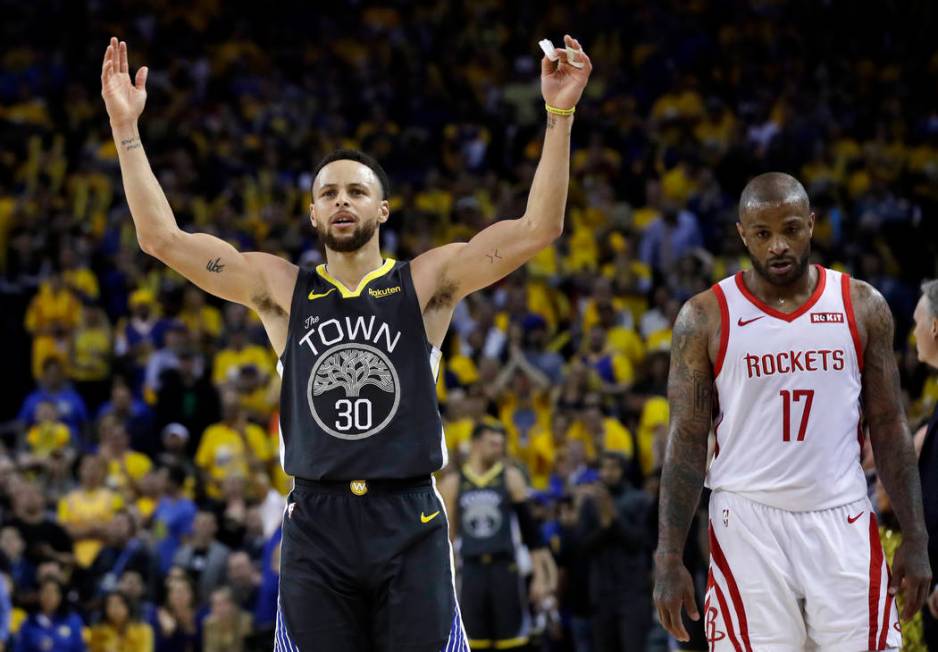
[882, 397]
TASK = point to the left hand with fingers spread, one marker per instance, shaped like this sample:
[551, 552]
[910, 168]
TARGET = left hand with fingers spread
[562, 83]
[911, 575]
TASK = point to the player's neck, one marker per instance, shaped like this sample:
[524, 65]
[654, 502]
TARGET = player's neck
[349, 268]
[785, 298]
[478, 466]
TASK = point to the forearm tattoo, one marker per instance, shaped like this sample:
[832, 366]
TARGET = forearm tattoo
[690, 396]
[215, 266]
[131, 143]
[493, 257]
[882, 407]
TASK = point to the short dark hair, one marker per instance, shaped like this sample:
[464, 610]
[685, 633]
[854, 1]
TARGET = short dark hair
[359, 157]
[486, 426]
[772, 188]
[930, 290]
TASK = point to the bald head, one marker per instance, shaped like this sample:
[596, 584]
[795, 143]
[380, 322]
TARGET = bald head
[776, 224]
[772, 190]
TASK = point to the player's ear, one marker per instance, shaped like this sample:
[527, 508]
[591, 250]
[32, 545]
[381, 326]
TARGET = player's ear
[742, 233]
[312, 214]
[384, 211]
[811, 219]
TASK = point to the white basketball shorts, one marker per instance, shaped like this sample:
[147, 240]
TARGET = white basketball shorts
[783, 581]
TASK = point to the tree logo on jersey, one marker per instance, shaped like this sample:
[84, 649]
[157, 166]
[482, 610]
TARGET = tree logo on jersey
[351, 370]
[353, 391]
[482, 520]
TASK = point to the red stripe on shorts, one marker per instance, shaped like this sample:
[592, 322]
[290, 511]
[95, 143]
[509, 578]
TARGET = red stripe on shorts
[885, 630]
[876, 573]
[707, 607]
[727, 620]
[720, 559]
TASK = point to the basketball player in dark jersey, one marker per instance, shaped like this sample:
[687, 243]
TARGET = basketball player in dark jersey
[365, 560]
[484, 500]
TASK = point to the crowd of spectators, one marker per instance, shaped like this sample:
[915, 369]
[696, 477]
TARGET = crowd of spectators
[140, 487]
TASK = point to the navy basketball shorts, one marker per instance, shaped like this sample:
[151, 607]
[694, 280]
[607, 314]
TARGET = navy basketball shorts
[367, 567]
[494, 604]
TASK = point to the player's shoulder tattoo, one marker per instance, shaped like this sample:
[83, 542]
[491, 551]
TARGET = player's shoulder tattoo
[691, 376]
[695, 323]
[873, 314]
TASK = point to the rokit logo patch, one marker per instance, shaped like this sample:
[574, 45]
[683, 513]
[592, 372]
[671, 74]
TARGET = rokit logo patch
[827, 317]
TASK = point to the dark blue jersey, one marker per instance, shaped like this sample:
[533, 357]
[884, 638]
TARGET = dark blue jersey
[485, 513]
[358, 400]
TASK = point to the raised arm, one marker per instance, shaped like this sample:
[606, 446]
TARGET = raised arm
[892, 445]
[258, 280]
[455, 270]
[690, 396]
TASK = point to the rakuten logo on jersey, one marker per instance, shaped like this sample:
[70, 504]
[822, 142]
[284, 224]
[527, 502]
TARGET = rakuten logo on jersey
[791, 362]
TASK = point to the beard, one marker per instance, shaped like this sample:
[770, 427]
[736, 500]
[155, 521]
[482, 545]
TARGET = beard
[798, 268]
[362, 234]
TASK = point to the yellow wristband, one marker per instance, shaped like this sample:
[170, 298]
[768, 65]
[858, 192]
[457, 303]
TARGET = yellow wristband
[555, 111]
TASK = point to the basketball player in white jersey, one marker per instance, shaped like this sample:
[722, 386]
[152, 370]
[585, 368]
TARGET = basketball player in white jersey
[784, 361]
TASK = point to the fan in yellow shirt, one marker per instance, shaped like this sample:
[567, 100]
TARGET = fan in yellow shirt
[87, 511]
[50, 318]
[126, 467]
[234, 446]
[202, 320]
[599, 432]
[614, 369]
[49, 434]
[546, 443]
[78, 276]
[119, 630]
[239, 352]
[652, 433]
[525, 402]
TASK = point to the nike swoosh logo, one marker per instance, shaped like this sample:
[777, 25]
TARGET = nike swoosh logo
[313, 295]
[748, 321]
[426, 519]
[852, 519]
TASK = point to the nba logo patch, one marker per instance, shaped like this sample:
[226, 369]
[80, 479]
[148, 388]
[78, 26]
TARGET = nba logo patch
[290, 510]
[827, 317]
[726, 518]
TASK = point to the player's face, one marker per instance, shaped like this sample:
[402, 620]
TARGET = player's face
[348, 205]
[492, 447]
[778, 239]
[926, 333]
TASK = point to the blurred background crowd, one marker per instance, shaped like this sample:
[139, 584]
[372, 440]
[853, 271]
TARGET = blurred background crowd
[140, 486]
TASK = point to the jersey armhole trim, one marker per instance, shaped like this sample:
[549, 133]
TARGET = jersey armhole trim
[724, 329]
[299, 288]
[851, 318]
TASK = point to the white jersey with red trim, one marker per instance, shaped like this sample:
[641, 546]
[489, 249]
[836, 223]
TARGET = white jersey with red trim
[788, 391]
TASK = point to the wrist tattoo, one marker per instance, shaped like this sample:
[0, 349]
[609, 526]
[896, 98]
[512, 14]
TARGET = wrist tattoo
[493, 256]
[551, 121]
[215, 266]
[131, 143]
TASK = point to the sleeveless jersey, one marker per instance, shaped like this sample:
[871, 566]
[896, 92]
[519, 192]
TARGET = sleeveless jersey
[788, 395]
[358, 399]
[485, 513]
